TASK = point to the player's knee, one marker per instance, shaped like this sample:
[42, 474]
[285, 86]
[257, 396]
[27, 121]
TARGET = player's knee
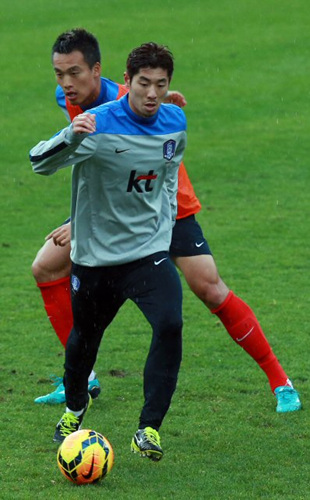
[43, 272]
[37, 271]
[211, 293]
[48, 267]
[171, 325]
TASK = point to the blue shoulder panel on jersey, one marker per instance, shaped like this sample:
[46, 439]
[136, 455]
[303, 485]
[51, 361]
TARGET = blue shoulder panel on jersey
[60, 97]
[111, 90]
[117, 118]
[108, 92]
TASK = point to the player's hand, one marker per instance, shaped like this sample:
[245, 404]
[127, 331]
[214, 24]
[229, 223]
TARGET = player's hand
[61, 236]
[175, 97]
[84, 123]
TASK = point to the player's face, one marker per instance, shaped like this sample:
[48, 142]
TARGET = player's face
[80, 83]
[147, 90]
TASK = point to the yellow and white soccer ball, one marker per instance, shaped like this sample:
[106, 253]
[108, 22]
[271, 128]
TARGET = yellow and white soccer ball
[85, 456]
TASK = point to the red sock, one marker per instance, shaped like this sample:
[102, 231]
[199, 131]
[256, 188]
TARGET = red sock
[57, 301]
[244, 328]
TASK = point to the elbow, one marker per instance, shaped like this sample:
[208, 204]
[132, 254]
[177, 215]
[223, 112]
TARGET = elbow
[40, 170]
[37, 168]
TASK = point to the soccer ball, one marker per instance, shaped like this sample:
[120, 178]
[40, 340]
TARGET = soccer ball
[85, 456]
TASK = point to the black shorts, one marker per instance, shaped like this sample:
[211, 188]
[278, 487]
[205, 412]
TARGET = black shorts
[188, 239]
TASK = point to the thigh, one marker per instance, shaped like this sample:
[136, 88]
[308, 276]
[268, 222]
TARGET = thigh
[94, 300]
[188, 239]
[203, 279]
[155, 287]
[198, 269]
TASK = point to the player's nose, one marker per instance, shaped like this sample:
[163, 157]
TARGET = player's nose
[152, 94]
[67, 82]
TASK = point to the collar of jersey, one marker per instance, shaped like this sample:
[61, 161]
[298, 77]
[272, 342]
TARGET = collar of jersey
[134, 116]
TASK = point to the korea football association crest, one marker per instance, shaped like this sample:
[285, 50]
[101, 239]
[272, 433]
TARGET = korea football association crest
[169, 149]
[75, 283]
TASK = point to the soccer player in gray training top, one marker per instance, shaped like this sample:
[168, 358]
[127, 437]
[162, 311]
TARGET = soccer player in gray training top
[76, 61]
[126, 156]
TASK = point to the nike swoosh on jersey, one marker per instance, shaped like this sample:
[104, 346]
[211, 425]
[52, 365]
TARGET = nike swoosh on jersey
[198, 245]
[117, 151]
[157, 262]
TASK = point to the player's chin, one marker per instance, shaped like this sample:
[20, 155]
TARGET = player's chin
[150, 110]
[74, 99]
[74, 102]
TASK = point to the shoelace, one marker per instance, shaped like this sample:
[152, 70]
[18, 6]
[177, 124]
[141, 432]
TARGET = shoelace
[56, 381]
[152, 436]
[68, 424]
[287, 392]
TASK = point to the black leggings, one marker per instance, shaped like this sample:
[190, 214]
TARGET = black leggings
[97, 294]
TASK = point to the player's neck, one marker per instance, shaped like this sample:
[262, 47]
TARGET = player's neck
[93, 96]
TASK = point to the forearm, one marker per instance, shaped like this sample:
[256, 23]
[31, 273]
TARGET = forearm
[58, 152]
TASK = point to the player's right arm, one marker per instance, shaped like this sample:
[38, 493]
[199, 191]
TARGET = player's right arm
[84, 124]
[64, 148]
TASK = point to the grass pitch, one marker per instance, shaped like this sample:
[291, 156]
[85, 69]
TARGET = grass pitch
[244, 69]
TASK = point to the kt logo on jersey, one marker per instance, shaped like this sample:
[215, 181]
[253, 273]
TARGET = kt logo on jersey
[134, 181]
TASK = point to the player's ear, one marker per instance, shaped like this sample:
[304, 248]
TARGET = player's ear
[126, 79]
[97, 69]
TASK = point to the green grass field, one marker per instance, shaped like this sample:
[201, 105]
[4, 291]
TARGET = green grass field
[244, 69]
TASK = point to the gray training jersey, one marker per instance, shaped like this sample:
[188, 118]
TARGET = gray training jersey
[124, 181]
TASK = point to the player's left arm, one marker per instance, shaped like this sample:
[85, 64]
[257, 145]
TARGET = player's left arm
[61, 236]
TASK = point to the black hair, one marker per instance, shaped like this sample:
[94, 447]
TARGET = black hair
[150, 55]
[81, 40]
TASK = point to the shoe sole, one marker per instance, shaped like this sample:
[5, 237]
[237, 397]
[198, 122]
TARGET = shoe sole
[291, 409]
[44, 400]
[50, 401]
[153, 455]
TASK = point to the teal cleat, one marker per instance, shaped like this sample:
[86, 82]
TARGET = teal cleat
[94, 388]
[58, 396]
[288, 399]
